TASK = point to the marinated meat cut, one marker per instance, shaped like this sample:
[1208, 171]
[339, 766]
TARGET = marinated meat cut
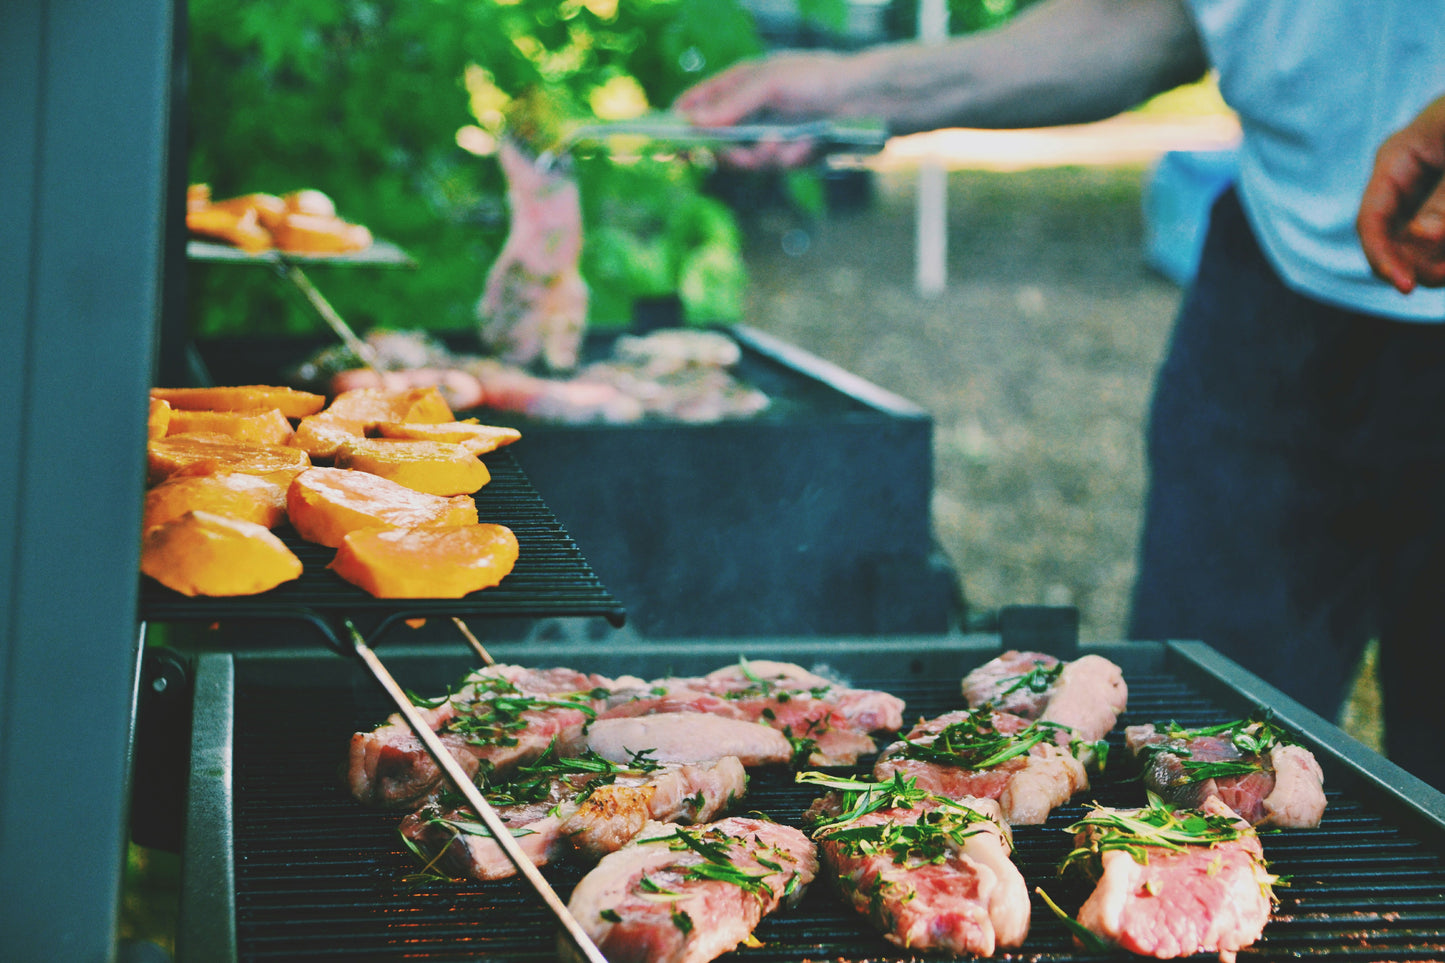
[502, 716]
[1086, 695]
[1173, 882]
[1249, 764]
[534, 306]
[992, 755]
[678, 895]
[688, 737]
[933, 874]
[832, 724]
[558, 806]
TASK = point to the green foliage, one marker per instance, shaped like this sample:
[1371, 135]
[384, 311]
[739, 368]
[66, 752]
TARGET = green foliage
[964, 16]
[364, 100]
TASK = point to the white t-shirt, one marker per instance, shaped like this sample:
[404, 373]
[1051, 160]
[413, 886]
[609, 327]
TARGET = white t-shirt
[1318, 86]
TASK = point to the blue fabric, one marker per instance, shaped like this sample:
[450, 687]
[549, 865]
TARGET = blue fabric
[1297, 499]
[1318, 86]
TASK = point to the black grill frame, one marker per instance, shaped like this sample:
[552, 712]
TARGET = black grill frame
[318, 877]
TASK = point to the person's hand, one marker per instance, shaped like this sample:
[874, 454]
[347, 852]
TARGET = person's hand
[1402, 212]
[785, 87]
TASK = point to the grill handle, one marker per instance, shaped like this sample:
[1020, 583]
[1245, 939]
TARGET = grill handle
[464, 785]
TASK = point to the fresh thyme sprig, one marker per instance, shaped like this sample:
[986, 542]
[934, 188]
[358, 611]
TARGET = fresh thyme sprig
[973, 742]
[1253, 737]
[943, 824]
[1157, 825]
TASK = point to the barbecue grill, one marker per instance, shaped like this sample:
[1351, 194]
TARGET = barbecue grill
[282, 863]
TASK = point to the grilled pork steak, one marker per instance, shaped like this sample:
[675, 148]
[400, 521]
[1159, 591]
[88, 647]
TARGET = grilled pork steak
[1248, 764]
[501, 717]
[678, 895]
[584, 804]
[1086, 695]
[932, 874]
[991, 755]
[1191, 881]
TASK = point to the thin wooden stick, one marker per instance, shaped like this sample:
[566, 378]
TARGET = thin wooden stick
[474, 642]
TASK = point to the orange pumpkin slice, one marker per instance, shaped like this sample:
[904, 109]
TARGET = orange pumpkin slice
[324, 504]
[321, 435]
[268, 427]
[293, 403]
[232, 494]
[206, 453]
[434, 467]
[373, 405]
[475, 438]
[446, 563]
[158, 420]
[201, 553]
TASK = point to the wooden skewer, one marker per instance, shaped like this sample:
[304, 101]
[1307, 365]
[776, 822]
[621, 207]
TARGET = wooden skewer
[474, 642]
[464, 785]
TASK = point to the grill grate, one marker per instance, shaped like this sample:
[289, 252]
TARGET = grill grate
[551, 577]
[318, 877]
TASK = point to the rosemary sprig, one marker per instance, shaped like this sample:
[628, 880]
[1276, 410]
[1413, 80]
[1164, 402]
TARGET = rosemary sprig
[1037, 680]
[1253, 737]
[945, 824]
[1158, 825]
[974, 743]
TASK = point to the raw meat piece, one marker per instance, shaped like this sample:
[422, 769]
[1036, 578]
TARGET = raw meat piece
[1174, 882]
[992, 755]
[1249, 764]
[560, 805]
[933, 874]
[677, 895]
[1086, 694]
[688, 737]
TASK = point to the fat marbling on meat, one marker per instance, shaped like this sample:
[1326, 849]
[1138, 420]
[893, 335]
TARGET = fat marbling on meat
[1249, 764]
[932, 874]
[559, 806]
[688, 895]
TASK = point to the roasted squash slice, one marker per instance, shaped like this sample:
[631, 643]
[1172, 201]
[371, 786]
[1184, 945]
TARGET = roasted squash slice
[232, 494]
[373, 405]
[158, 419]
[475, 438]
[293, 403]
[434, 467]
[446, 562]
[324, 504]
[321, 435]
[268, 427]
[205, 453]
[201, 553]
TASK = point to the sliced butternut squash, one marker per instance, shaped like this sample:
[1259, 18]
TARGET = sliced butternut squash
[232, 494]
[205, 453]
[321, 435]
[293, 403]
[201, 553]
[158, 420]
[324, 504]
[268, 427]
[475, 438]
[445, 562]
[434, 467]
[373, 405]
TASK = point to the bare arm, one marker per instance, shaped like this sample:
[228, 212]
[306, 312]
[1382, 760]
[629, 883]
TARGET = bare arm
[1402, 213]
[1063, 61]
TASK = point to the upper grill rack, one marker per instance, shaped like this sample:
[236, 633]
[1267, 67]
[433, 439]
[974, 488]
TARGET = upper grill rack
[551, 577]
[318, 877]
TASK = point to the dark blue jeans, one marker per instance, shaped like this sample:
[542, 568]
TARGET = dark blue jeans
[1296, 506]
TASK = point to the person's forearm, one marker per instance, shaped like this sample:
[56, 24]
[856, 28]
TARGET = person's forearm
[1065, 61]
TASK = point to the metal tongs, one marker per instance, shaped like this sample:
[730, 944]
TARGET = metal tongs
[827, 136]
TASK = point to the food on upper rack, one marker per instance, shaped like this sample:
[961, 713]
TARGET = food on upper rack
[677, 374]
[324, 504]
[689, 737]
[560, 805]
[499, 718]
[1030, 767]
[291, 402]
[932, 873]
[232, 494]
[1249, 764]
[443, 562]
[201, 553]
[829, 723]
[1086, 695]
[303, 222]
[204, 453]
[534, 305]
[475, 438]
[1172, 882]
[433, 467]
[680, 895]
[158, 419]
[269, 427]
